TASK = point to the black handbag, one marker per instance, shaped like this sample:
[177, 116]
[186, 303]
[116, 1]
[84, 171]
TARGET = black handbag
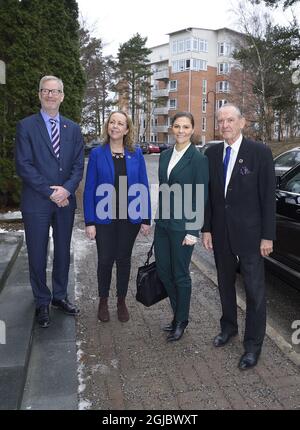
[149, 288]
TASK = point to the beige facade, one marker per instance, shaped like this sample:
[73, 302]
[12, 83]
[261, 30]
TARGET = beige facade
[190, 73]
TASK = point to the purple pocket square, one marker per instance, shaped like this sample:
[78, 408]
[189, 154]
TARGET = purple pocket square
[244, 170]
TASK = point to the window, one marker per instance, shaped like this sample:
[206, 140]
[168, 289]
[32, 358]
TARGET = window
[180, 46]
[174, 47]
[222, 87]
[200, 45]
[173, 86]
[196, 45]
[173, 103]
[187, 45]
[220, 103]
[155, 122]
[203, 105]
[203, 123]
[223, 68]
[225, 49]
[199, 64]
[287, 160]
[204, 86]
[203, 45]
[291, 185]
[188, 64]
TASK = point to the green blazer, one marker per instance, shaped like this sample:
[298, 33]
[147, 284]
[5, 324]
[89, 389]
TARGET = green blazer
[179, 196]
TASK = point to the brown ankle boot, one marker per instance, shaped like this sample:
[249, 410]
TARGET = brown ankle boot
[103, 314]
[123, 314]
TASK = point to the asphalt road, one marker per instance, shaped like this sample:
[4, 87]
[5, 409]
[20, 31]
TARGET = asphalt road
[283, 301]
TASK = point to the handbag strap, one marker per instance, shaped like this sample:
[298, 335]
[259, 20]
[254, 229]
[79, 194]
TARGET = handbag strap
[150, 253]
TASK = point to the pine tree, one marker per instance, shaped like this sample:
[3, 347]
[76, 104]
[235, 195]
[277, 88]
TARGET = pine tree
[134, 72]
[36, 38]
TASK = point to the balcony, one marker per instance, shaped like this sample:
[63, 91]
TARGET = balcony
[161, 74]
[161, 111]
[160, 129]
[161, 93]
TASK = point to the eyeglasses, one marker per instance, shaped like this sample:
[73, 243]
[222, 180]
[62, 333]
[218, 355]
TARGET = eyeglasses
[46, 92]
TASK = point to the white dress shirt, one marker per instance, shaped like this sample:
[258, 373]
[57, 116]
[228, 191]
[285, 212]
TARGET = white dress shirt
[233, 155]
[176, 157]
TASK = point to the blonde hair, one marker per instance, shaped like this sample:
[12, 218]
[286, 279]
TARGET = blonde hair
[128, 139]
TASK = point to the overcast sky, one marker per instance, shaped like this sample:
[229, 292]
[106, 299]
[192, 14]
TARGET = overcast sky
[116, 21]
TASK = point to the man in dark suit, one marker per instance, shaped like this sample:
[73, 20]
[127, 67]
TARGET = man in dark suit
[239, 226]
[50, 161]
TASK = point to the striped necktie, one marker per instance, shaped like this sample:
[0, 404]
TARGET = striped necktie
[54, 137]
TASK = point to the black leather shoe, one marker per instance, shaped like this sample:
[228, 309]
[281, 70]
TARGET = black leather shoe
[42, 316]
[248, 360]
[222, 338]
[65, 306]
[178, 331]
[170, 327]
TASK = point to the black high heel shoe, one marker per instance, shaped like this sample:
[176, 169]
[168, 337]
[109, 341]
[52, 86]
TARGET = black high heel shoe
[178, 331]
[170, 327]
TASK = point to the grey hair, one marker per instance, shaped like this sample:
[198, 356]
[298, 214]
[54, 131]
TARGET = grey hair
[236, 108]
[51, 78]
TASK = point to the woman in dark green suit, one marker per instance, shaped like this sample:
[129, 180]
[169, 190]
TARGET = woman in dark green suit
[183, 180]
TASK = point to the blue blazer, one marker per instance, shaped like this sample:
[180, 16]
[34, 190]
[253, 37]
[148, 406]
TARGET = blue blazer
[100, 171]
[38, 166]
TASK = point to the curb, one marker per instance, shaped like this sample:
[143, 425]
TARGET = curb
[19, 239]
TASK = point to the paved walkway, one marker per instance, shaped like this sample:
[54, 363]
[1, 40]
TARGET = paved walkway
[129, 366]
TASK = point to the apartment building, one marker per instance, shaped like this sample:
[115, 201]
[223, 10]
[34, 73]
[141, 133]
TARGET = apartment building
[190, 73]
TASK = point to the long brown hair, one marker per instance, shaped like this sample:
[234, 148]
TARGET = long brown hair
[128, 139]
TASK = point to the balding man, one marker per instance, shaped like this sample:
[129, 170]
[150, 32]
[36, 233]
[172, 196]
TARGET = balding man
[240, 227]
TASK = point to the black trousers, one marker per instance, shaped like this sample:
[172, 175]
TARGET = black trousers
[114, 244]
[252, 271]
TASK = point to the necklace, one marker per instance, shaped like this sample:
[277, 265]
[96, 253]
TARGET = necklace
[117, 154]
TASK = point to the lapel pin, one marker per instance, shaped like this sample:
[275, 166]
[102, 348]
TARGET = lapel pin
[65, 126]
[241, 160]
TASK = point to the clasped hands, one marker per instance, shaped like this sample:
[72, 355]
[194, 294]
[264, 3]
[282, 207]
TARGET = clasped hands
[59, 196]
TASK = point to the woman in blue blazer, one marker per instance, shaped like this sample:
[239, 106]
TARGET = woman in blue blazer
[116, 207]
[183, 173]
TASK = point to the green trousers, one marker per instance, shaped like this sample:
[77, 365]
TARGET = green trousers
[172, 263]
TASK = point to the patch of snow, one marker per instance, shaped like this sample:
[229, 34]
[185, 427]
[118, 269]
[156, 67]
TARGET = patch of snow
[11, 231]
[102, 368]
[114, 363]
[11, 215]
[84, 405]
